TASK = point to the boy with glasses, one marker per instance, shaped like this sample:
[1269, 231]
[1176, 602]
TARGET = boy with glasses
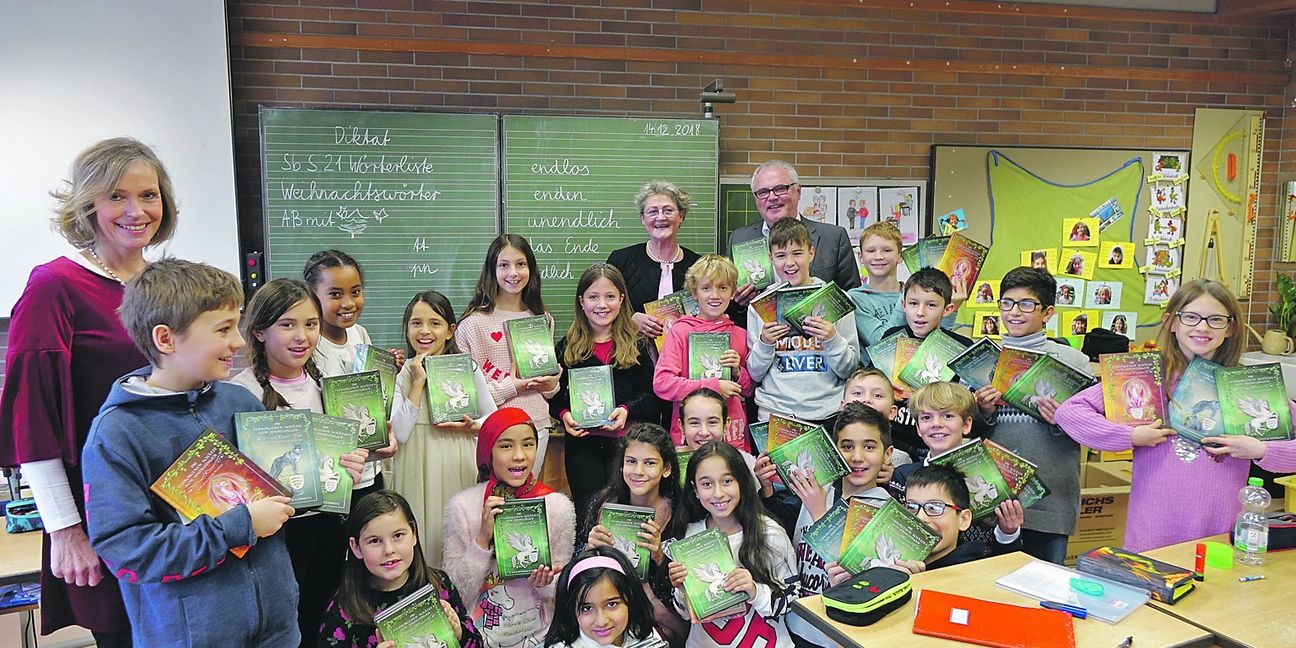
[939, 496]
[1025, 306]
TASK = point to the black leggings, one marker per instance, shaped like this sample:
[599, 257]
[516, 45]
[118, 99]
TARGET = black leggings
[588, 461]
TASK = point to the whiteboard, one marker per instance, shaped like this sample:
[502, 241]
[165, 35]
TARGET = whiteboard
[73, 72]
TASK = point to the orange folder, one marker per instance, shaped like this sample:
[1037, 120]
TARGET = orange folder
[987, 623]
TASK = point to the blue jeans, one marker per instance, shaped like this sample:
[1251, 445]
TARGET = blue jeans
[1045, 546]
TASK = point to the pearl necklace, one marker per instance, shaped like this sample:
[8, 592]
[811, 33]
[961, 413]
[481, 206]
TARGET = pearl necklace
[677, 256]
[104, 266]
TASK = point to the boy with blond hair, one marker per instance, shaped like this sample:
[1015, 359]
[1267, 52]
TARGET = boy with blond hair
[178, 579]
[712, 282]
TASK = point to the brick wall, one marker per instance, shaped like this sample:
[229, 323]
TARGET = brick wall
[839, 89]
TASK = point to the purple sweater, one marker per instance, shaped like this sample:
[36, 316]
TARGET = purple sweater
[1159, 514]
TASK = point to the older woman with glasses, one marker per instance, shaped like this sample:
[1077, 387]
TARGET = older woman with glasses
[656, 268]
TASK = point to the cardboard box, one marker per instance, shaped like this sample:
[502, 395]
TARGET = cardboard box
[1104, 503]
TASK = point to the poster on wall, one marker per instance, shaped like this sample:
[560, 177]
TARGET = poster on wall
[857, 208]
[900, 206]
[818, 204]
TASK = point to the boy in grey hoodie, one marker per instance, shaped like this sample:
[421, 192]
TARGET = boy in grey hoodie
[799, 375]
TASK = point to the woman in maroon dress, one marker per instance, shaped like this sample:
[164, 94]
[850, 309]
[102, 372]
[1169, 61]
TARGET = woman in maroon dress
[66, 346]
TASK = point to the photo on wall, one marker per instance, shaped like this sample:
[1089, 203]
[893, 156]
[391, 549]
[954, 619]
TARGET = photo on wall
[1070, 292]
[985, 292]
[1077, 263]
[818, 204]
[1116, 254]
[1043, 258]
[1107, 213]
[986, 323]
[1079, 232]
[1104, 295]
[1121, 322]
[951, 222]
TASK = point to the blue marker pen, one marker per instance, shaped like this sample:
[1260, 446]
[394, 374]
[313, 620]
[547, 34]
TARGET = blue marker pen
[1077, 612]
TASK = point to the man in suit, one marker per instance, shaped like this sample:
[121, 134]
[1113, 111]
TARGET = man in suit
[778, 191]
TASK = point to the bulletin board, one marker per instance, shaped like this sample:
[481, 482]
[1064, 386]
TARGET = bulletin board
[1019, 199]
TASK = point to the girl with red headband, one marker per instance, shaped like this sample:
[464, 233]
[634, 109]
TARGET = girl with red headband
[506, 612]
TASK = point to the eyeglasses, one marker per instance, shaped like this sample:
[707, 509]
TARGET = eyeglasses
[652, 212]
[778, 191]
[1026, 305]
[1189, 318]
[934, 508]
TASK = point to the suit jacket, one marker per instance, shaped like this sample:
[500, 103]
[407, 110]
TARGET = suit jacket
[834, 258]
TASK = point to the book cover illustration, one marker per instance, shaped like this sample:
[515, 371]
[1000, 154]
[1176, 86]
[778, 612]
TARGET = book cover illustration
[911, 257]
[521, 538]
[1166, 583]
[781, 429]
[371, 358]
[358, 396]
[417, 621]
[1016, 471]
[811, 453]
[759, 433]
[704, 351]
[752, 258]
[283, 444]
[765, 303]
[1194, 409]
[668, 309]
[210, 477]
[858, 514]
[975, 365]
[931, 250]
[1047, 378]
[531, 343]
[334, 437]
[882, 354]
[828, 302]
[683, 454]
[894, 534]
[1133, 392]
[624, 523]
[1011, 365]
[906, 347]
[929, 363]
[986, 484]
[963, 259]
[1032, 491]
[787, 297]
[592, 395]
[451, 387]
[709, 561]
[825, 534]
[1254, 400]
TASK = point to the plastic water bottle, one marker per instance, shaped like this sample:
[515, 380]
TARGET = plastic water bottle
[1251, 529]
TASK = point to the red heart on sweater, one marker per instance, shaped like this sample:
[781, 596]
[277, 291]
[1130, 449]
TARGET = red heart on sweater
[497, 335]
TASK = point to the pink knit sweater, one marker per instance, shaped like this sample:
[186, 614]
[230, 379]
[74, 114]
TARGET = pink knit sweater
[1171, 501]
[481, 335]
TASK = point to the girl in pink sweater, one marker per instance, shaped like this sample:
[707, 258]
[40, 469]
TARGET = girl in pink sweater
[508, 288]
[1201, 320]
[712, 281]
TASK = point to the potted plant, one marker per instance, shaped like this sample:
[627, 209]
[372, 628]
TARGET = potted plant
[1284, 310]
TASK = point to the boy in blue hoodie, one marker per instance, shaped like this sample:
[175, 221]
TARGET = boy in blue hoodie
[876, 301]
[180, 583]
[802, 375]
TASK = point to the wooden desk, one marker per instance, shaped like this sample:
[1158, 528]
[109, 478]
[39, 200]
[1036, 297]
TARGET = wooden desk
[20, 557]
[1148, 627]
[1256, 614]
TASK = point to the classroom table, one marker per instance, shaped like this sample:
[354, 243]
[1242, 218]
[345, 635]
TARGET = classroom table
[1148, 626]
[1258, 613]
[20, 561]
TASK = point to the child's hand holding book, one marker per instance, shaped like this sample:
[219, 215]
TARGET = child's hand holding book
[772, 332]
[269, 514]
[819, 328]
[1240, 447]
[1150, 434]
[1010, 516]
[493, 506]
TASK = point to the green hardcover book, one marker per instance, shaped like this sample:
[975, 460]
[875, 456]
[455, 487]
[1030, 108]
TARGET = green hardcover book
[1194, 408]
[451, 387]
[683, 454]
[828, 302]
[759, 433]
[781, 429]
[912, 258]
[787, 297]
[893, 534]
[812, 452]
[975, 366]
[521, 538]
[766, 303]
[624, 522]
[752, 258]
[371, 358]
[1254, 401]
[531, 343]
[929, 363]
[358, 396]
[824, 536]
[334, 437]
[931, 250]
[704, 351]
[906, 347]
[882, 354]
[709, 561]
[283, 444]
[668, 310]
[417, 621]
[858, 514]
[985, 483]
[1047, 378]
[1010, 367]
[592, 395]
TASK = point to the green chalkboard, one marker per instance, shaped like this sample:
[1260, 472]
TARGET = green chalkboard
[570, 184]
[414, 197]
